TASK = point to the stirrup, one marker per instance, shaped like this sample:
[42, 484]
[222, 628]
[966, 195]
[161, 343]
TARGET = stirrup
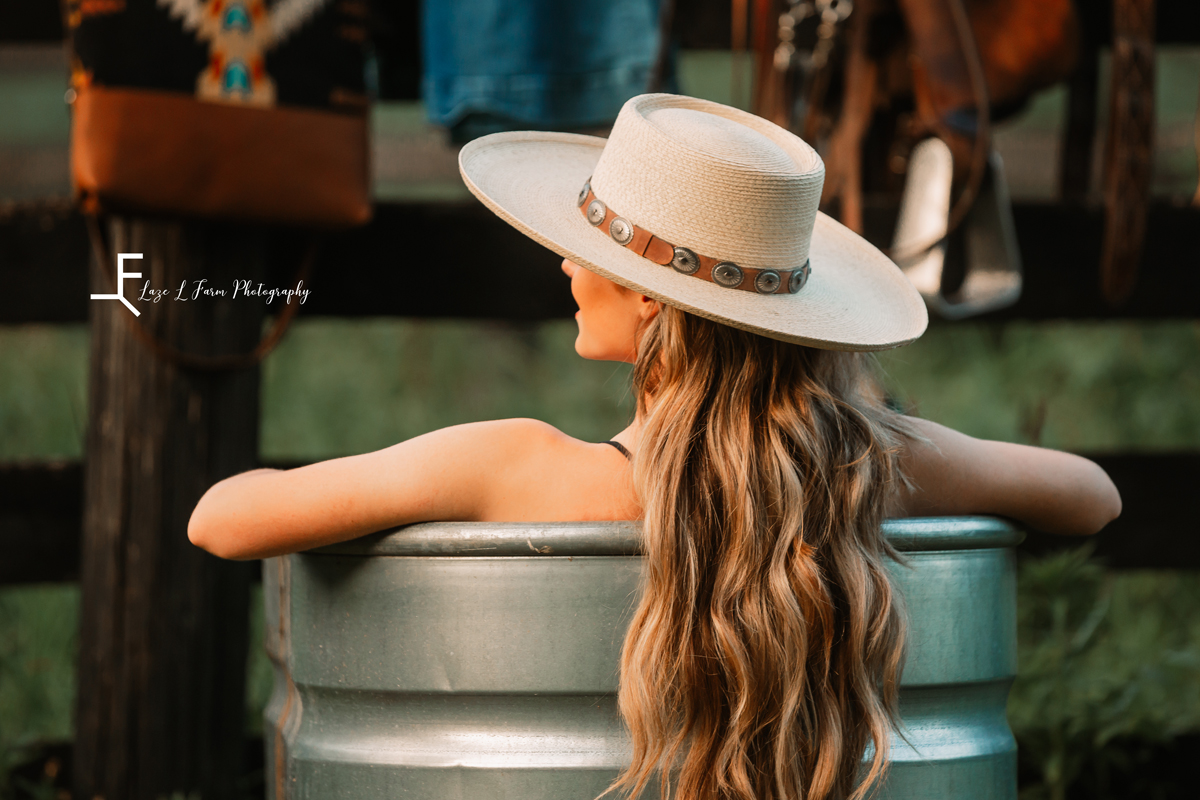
[992, 274]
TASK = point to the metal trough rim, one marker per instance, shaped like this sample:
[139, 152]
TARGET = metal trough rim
[490, 539]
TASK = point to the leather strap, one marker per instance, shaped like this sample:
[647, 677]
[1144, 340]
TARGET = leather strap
[621, 448]
[660, 251]
[1129, 156]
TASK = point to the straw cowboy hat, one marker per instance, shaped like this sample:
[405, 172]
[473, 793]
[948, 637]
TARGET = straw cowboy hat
[707, 208]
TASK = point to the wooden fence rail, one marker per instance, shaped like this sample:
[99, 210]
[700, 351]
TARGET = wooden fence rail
[704, 27]
[399, 265]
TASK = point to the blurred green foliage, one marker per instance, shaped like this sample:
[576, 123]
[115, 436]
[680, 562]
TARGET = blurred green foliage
[43, 391]
[1102, 655]
[37, 669]
[336, 387]
[369, 384]
[1092, 388]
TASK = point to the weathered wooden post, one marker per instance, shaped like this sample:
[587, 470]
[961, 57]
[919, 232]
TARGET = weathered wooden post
[163, 643]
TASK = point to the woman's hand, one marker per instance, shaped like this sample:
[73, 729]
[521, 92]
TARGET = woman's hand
[1049, 490]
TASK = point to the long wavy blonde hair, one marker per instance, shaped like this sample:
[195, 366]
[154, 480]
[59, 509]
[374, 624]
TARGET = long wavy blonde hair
[766, 651]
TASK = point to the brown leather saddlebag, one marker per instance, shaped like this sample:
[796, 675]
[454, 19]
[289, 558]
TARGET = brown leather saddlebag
[234, 109]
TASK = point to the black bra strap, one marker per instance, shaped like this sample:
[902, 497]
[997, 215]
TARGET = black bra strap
[620, 447]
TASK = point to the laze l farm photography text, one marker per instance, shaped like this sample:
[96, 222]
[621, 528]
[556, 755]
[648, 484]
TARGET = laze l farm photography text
[194, 290]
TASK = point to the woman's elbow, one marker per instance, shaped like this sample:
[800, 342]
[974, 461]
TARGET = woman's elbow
[212, 536]
[1105, 504]
[1110, 507]
[225, 519]
[202, 534]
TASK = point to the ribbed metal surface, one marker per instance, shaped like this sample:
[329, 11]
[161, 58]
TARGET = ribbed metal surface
[450, 660]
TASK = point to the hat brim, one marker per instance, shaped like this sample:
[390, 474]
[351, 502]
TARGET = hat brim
[855, 298]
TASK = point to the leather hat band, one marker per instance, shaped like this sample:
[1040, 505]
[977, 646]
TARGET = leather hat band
[684, 260]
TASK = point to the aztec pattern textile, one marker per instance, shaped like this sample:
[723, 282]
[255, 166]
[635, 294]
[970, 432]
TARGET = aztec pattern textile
[241, 109]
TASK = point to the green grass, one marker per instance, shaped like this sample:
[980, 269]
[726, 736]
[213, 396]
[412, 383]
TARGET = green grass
[35, 111]
[43, 391]
[336, 387]
[1100, 387]
[369, 384]
[37, 667]
[1102, 656]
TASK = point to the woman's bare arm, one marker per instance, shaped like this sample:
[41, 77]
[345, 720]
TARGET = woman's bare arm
[1048, 490]
[449, 474]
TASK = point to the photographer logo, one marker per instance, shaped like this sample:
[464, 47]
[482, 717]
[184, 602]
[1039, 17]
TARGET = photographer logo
[121, 276]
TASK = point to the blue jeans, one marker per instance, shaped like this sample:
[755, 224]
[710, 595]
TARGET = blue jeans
[492, 65]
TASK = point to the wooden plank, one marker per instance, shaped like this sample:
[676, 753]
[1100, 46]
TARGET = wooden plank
[460, 260]
[1060, 247]
[163, 625]
[29, 21]
[41, 518]
[396, 39]
[1158, 528]
[431, 260]
[1079, 135]
[1175, 21]
[43, 263]
[704, 26]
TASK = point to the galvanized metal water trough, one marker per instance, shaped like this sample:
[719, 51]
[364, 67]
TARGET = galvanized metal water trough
[478, 661]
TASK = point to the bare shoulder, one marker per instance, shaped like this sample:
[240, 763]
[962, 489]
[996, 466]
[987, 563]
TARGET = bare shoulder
[511, 469]
[532, 471]
[520, 432]
[497, 442]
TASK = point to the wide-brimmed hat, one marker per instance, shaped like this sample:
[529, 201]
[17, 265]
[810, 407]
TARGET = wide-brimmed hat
[705, 207]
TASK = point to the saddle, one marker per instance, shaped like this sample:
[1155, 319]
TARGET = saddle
[874, 81]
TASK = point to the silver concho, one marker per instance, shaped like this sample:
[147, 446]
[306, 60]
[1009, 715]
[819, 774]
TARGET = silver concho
[596, 212]
[727, 274]
[799, 278]
[767, 281]
[583, 193]
[621, 230]
[685, 261]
